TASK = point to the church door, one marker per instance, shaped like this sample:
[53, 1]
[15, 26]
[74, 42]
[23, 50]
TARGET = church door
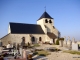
[53, 40]
[33, 40]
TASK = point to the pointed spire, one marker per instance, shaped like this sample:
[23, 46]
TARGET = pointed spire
[45, 15]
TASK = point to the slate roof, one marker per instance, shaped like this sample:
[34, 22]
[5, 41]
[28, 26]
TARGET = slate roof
[45, 15]
[51, 35]
[21, 28]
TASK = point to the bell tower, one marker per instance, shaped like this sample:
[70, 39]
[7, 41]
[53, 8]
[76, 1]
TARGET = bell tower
[46, 22]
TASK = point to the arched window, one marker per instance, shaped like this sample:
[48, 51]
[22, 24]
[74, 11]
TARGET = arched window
[53, 27]
[40, 39]
[46, 21]
[33, 39]
[50, 21]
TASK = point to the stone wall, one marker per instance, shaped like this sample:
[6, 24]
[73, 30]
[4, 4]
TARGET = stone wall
[17, 38]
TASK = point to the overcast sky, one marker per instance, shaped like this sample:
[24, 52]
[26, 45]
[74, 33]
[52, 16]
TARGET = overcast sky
[66, 14]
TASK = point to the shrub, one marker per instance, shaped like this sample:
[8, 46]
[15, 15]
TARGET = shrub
[57, 42]
[61, 38]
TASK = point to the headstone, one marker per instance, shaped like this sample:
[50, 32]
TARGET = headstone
[75, 46]
[64, 38]
[64, 43]
[21, 52]
[68, 38]
[56, 40]
[61, 43]
[1, 49]
[23, 42]
[69, 43]
[24, 54]
[78, 46]
[73, 41]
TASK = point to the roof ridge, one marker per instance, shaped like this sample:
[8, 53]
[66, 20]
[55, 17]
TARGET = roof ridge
[22, 23]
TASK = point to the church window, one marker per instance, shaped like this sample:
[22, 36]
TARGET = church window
[33, 39]
[46, 21]
[53, 27]
[50, 21]
[40, 39]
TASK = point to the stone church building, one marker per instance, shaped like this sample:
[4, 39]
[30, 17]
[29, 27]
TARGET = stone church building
[44, 31]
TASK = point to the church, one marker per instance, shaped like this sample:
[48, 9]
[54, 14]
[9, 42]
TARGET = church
[44, 31]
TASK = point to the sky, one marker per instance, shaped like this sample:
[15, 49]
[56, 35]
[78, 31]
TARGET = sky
[66, 14]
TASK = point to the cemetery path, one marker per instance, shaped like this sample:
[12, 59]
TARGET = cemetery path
[57, 55]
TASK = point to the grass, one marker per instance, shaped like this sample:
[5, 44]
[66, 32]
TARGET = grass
[36, 45]
[42, 53]
[72, 52]
[33, 45]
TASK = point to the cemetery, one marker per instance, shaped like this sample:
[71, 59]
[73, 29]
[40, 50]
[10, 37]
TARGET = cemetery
[69, 44]
[15, 51]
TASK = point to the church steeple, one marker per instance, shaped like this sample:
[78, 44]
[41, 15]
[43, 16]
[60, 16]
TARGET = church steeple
[45, 15]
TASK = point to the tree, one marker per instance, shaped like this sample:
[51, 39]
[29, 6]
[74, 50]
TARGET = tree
[57, 42]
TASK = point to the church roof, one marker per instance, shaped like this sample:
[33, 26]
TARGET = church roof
[21, 28]
[45, 15]
[51, 35]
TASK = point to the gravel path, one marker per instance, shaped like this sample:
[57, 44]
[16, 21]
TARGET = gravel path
[57, 55]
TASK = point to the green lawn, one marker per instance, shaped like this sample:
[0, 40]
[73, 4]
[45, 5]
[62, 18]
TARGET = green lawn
[42, 53]
[72, 52]
[36, 45]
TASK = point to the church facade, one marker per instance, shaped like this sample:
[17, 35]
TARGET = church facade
[44, 31]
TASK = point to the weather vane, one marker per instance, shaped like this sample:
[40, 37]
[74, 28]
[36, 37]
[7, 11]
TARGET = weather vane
[45, 8]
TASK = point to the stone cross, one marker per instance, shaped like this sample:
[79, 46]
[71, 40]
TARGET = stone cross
[68, 38]
[64, 38]
[73, 39]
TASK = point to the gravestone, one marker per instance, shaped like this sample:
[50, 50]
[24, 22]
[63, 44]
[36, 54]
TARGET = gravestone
[23, 42]
[75, 46]
[69, 44]
[21, 51]
[65, 43]
[73, 41]
[79, 47]
[61, 42]
[55, 40]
